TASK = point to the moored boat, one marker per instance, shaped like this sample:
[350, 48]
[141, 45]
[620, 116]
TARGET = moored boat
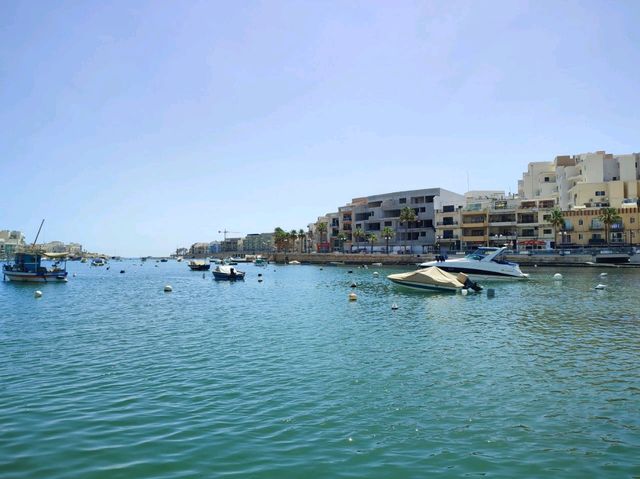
[27, 266]
[483, 263]
[227, 273]
[196, 265]
[434, 279]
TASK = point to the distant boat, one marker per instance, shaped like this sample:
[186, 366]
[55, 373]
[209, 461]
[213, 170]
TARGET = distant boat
[294, 262]
[179, 259]
[260, 261]
[197, 265]
[163, 260]
[98, 262]
[27, 266]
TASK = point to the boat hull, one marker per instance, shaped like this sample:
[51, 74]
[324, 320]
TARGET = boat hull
[58, 277]
[425, 287]
[200, 267]
[227, 277]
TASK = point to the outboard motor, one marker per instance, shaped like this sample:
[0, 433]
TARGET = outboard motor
[472, 285]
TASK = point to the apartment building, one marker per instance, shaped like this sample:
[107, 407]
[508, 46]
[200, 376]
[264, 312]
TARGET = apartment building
[372, 214]
[583, 227]
[255, 243]
[590, 180]
[9, 242]
[491, 218]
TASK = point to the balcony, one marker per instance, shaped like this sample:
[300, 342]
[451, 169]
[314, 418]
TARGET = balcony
[444, 223]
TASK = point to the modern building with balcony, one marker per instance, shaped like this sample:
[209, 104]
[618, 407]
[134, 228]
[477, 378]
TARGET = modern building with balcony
[372, 214]
[587, 180]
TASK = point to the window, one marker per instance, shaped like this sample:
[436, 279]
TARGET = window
[423, 209]
[579, 236]
[448, 209]
[546, 232]
[546, 179]
[388, 223]
[423, 233]
[632, 220]
[599, 193]
[580, 222]
[402, 200]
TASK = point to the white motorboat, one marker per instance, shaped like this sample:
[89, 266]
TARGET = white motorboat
[483, 263]
[434, 279]
[227, 273]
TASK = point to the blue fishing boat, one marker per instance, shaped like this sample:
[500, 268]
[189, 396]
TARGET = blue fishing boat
[27, 265]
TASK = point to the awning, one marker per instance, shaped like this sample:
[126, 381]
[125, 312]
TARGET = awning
[55, 255]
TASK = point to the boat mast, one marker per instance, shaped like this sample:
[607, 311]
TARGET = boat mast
[38, 234]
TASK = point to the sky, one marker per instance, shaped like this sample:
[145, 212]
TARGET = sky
[138, 127]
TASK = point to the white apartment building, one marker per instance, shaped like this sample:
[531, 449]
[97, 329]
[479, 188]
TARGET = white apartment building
[587, 180]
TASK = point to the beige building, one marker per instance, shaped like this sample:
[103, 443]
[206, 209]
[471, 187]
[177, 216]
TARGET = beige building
[590, 180]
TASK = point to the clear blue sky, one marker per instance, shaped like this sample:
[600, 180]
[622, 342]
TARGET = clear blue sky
[137, 127]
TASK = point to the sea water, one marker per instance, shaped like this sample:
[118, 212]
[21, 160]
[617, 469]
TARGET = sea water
[107, 376]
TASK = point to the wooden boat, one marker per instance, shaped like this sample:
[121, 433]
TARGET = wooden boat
[27, 265]
[199, 265]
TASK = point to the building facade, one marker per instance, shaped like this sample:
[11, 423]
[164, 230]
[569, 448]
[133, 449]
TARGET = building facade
[360, 225]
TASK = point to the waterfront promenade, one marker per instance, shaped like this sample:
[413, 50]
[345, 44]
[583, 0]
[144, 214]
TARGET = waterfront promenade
[551, 259]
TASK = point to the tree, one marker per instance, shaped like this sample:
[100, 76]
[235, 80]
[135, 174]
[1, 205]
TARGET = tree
[342, 238]
[279, 238]
[557, 221]
[358, 234]
[293, 236]
[372, 239]
[406, 216]
[387, 234]
[609, 216]
[301, 237]
[322, 229]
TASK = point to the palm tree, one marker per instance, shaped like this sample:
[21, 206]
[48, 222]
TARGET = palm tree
[387, 234]
[301, 237]
[293, 236]
[609, 216]
[322, 228]
[279, 238]
[358, 235]
[342, 238]
[407, 215]
[372, 239]
[557, 221]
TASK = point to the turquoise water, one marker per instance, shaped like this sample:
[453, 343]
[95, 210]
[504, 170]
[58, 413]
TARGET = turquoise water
[107, 376]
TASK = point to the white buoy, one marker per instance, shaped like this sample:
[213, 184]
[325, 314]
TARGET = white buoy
[168, 288]
[394, 306]
[601, 286]
[464, 291]
[353, 297]
[603, 275]
[375, 274]
[38, 294]
[557, 276]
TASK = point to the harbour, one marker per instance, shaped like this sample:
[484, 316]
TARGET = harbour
[109, 376]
